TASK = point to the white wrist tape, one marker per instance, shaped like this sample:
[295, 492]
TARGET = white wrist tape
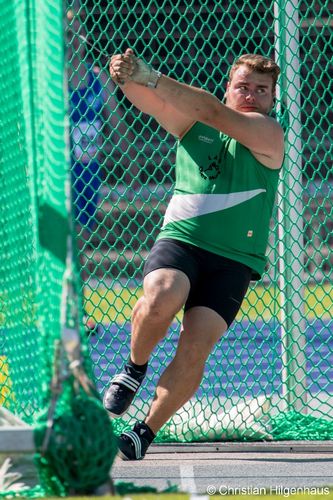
[145, 75]
[153, 79]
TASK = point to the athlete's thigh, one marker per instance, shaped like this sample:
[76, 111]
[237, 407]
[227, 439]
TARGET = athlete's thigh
[173, 254]
[222, 289]
[169, 272]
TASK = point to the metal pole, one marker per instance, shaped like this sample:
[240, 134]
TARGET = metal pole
[290, 210]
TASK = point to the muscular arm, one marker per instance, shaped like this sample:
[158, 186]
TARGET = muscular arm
[148, 101]
[258, 132]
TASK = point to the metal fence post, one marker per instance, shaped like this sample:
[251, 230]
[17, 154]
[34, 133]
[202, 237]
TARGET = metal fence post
[290, 209]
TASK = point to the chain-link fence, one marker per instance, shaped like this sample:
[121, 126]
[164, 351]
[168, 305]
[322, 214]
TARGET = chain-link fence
[277, 355]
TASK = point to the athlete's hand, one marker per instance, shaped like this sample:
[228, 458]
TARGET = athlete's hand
[122, 67]
[142, 72]
[126, 67]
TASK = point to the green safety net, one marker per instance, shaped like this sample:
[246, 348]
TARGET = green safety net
[45, 368]
[270, 376]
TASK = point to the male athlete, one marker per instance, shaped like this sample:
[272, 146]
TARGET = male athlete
[214, 237]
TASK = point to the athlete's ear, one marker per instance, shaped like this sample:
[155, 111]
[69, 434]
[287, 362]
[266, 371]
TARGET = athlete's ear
[272, 110]
[226, 92]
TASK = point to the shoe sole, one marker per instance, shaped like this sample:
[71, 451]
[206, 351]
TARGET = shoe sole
[124, 457]
[113, 415]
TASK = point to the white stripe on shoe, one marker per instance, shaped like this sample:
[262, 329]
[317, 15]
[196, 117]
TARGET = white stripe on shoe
[127, 381]
[136, 441]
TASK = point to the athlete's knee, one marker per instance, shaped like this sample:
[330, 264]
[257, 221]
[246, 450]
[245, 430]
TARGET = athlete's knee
[158, 308]
[165, 292]
[154, 309]
[193, 355]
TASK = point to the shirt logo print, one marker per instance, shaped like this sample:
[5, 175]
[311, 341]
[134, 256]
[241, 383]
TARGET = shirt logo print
[212, 171]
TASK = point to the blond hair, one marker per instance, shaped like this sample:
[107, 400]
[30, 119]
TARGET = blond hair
[257, 63]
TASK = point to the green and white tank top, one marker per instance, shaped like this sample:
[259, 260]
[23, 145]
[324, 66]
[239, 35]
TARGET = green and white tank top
[223, 198]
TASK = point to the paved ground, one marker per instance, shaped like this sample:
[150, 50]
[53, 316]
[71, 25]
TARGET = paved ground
[222, 468]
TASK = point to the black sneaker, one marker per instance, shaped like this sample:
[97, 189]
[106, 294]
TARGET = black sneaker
[120, 394]
[134, 444]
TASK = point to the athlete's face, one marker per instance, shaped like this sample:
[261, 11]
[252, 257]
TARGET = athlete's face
[249, 91]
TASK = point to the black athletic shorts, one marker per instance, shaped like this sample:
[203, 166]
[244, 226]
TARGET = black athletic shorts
[216, 282]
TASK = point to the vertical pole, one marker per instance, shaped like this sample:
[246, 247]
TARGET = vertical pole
[290, 209]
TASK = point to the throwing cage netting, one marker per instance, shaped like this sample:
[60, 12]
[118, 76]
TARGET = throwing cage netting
[270, 377]
[45, 370]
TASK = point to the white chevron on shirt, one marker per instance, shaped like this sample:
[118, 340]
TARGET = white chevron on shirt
[187, 206]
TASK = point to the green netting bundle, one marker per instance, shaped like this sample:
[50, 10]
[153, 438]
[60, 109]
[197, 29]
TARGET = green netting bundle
[296, 426]
[81, 447]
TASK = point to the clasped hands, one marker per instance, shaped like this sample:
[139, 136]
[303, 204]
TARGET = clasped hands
[127, 67]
